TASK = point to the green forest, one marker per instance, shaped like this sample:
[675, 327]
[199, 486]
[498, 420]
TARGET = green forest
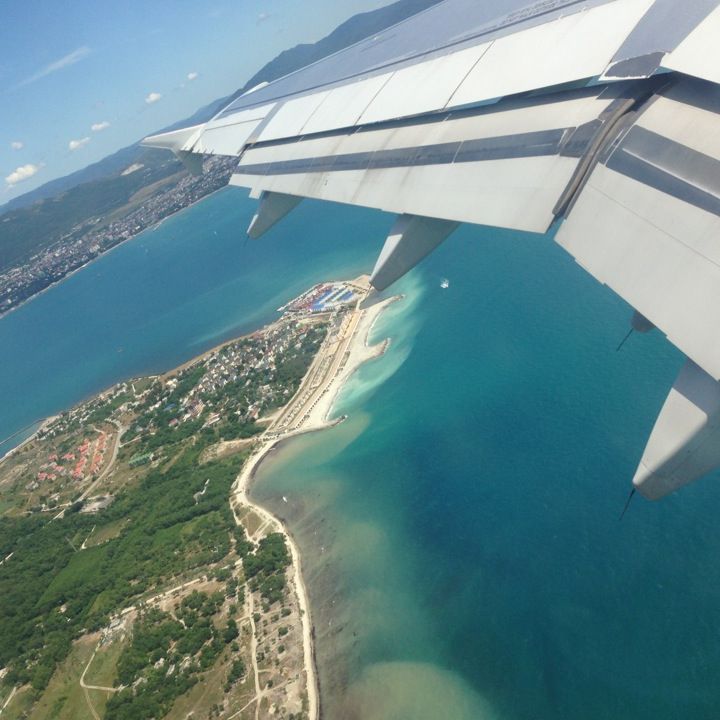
[51, 593]
[166, 656]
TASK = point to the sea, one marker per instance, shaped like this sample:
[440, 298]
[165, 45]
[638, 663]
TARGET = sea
[460, 530]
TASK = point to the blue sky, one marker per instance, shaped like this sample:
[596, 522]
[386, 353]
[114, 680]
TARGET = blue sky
[80, 79]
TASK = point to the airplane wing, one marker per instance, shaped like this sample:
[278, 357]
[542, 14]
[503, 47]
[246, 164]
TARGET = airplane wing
[598, 120]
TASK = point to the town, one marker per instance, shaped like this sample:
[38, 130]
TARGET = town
[228, 394]
[92, 238]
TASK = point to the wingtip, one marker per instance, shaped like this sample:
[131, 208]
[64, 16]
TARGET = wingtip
[175, 140]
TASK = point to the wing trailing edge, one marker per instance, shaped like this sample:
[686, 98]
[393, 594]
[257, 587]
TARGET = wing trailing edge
[598, 119]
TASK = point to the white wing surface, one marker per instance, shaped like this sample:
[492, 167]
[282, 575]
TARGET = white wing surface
[597, 118]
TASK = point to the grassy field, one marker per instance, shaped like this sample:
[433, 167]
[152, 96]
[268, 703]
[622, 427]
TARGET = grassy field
[143, 383]
[225, 449]
[106, 532]
[103, 669]
[19, 706]
[99, 699]
[209, 692]
[251, 522]
[141, 195]
[6, 504]
[64, 699]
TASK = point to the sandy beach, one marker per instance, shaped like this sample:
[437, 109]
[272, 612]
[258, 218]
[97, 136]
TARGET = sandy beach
[340, 356]
[343, 351]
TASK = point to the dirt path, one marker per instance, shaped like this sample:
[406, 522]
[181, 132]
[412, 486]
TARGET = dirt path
[9, 698]
[85, 688]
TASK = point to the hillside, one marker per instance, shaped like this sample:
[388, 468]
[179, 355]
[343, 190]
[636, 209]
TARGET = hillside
[25, 231]
[108, 166]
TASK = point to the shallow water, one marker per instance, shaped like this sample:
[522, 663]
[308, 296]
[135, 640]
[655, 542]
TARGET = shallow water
[460, 530]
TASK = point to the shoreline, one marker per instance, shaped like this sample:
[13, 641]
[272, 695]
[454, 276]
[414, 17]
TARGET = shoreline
[269, 443]
[72, 272]
[162, 374]
[41, 425]
[345, 349]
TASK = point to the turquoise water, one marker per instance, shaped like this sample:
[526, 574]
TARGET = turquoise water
[460, 530]
[168, 295]
[463, 549]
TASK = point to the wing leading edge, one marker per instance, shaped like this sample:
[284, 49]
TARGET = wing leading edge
[599, 118]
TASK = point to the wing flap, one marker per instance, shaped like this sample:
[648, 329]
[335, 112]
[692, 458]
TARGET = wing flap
[425, 87]
[503, 165]
[522, 121]
[570, 48]
[647, 222]
[345, 104]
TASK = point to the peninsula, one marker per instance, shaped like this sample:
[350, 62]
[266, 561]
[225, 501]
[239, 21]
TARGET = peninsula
[137, 579]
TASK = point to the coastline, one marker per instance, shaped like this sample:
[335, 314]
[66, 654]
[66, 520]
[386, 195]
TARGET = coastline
[72, 272]
[344, 350]
[41, 425]
[163, 375]
[359, 352]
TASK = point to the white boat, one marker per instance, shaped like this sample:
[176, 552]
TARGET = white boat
[445, 283]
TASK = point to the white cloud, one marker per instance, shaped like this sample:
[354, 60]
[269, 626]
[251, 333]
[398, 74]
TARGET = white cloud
[24, 172]
[77, 144]
[65, 61]
[97, 127]
[192, 76]
[153, 97]
[17, 145]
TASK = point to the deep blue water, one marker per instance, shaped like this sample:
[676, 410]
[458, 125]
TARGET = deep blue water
[460, 531]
